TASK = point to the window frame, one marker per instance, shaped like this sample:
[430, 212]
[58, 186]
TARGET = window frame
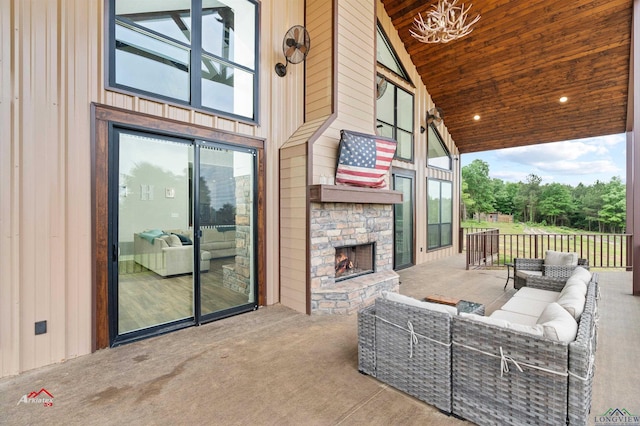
[439, 140]
[394, 126]
[440, 222]
[394, 55]
[410, 175]
[196, 56]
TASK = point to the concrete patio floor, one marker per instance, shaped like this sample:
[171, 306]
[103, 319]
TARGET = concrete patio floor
[278, 367]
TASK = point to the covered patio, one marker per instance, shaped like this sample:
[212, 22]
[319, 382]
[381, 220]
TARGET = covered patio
[277, 366]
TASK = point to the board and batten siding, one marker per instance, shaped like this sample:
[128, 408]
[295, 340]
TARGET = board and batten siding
[319, 64]
[293, 226]
[355, 103]
[422, 104]
[52, 64]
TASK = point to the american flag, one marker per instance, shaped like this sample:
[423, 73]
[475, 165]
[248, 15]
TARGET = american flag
[364, 160]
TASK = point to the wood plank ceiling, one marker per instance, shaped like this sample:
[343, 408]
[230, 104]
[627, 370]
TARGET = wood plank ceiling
[521, 57]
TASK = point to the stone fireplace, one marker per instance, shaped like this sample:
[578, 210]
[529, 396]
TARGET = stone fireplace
[352, 261]
[358, 232]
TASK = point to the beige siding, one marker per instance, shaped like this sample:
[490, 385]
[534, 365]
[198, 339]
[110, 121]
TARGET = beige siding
[355, 102]
[52, 64]
[9, 219]
[293, 226]
[319, 64]
[422, 103]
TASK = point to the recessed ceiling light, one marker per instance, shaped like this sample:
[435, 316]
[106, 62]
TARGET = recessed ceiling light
[563, 99]
[476, 117]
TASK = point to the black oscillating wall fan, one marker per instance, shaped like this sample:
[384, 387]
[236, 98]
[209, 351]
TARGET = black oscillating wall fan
[295, 46]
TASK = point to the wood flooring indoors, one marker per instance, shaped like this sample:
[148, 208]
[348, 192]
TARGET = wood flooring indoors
[146, 299]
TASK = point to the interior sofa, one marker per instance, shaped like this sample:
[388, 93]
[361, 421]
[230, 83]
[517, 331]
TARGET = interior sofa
[530, 362]
[166, 254]
[555, 264]
[219, 241]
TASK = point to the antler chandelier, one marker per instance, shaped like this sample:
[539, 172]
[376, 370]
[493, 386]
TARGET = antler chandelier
[446, 22]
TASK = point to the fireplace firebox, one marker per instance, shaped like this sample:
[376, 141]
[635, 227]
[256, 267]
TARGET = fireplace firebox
[353, 261]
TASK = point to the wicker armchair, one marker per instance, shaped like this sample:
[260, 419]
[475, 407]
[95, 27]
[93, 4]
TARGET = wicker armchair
[535, 268]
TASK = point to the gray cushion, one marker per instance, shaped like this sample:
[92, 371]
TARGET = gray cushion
[524, 273]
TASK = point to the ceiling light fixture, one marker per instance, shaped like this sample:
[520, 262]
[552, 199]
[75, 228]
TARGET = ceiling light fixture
[476, 117]
[446, 22]
[563, 99]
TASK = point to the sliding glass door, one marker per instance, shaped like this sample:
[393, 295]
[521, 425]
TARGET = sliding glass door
[403, 222]
[226, 221]
[179, 206]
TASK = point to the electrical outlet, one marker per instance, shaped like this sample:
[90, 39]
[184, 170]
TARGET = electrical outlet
[41, 327]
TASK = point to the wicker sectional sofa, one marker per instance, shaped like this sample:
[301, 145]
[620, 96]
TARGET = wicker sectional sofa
[480, 369]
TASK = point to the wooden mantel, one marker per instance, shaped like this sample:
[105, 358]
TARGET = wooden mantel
[353, 194]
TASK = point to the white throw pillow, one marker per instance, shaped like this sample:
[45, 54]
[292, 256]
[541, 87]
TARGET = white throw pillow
[400, 298]
[559, 258]
[575, 283]
[558, 324]
[572, 299]
[174, 241]
[581, 273]
[162, 241]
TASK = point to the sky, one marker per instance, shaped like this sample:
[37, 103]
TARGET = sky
[570, 162]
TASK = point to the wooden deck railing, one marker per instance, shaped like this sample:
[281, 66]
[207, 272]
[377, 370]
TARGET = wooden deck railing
[490, 248]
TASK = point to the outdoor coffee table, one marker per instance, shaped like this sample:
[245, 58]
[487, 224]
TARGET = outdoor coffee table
[470, 307]
[462, 305]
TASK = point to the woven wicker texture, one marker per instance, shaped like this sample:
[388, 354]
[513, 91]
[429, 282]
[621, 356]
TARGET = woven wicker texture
[582, 361]
[468, 377]
[549, 271]
[484, 396]
[419, 366]
[367, 340]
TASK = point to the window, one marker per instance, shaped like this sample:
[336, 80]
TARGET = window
[395, 119]
[403, 222]
[387, 57]
[155, 46]
[438, 155]
[439, 213]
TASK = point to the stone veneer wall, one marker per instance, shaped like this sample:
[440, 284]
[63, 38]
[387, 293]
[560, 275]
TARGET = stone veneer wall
[237, 276]
[344, 224]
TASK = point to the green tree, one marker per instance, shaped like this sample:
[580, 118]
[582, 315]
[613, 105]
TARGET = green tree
[555, 202]
[505, 196]
[528, 197]
[479, 187]
[467, 201]
[613, 212]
